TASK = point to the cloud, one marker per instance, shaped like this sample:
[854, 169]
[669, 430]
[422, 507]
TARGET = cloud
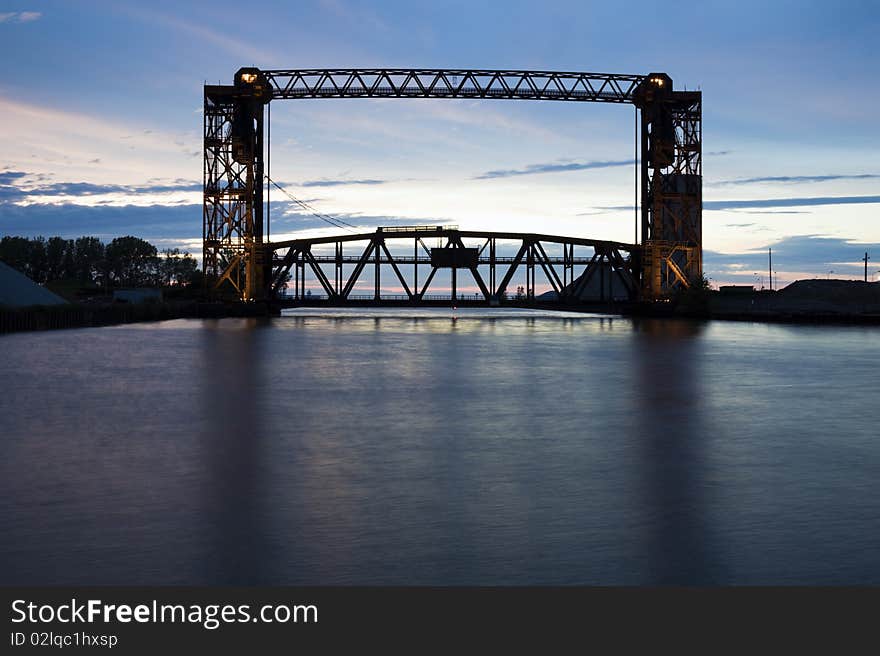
[559, 167]
[797, 179]
[19, 16]
[152, 222]
[789, 202]
[292, 218]
[53, 141]
[9, 177]
[12, 190]
[222, 40]
[774, 212]
[359, 17]
[796, 253]
[176, 224]
[718, 153]
[337, 183]
[767, 202]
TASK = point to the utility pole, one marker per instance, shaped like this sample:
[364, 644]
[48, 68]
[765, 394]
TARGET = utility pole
[866, 266]
[770, 267]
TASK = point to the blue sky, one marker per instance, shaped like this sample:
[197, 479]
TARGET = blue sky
[101, 121]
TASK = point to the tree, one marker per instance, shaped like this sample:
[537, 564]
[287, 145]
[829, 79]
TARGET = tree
[284, 280]
[88, 260]
[56, 248]
[15, 251]
[37, 261]
[131, 262]
[69, 259]
[176, 268]
[126, 261]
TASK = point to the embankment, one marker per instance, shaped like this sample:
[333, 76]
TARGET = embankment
[90, 315]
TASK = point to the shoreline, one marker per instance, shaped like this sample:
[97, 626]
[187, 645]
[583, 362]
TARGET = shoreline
[40, 318]
[60, 317]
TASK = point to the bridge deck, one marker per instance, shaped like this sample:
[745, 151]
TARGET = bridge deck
[403, 259]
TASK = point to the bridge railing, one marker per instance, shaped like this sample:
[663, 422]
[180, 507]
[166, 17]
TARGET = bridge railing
[416, 228]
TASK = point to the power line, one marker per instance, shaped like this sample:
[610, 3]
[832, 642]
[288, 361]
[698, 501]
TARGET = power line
[336, 222]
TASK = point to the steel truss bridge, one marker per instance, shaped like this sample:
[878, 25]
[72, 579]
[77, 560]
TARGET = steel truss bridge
[604, 269]
[236, 255]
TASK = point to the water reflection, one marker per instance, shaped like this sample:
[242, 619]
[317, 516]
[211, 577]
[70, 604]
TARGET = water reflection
[674, 470]
[232, 440]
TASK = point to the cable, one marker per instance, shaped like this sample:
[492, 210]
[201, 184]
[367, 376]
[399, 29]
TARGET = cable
[636, 175]
[336, 222]
[268, 171]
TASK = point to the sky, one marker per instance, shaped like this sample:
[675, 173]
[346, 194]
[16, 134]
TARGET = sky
[101, 120]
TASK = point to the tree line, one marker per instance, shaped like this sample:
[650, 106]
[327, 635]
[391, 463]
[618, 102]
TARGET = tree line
[124, 262]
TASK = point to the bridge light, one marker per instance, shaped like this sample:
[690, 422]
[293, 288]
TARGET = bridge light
[248, 78]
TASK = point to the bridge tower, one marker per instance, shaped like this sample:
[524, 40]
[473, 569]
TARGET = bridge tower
[233, 250]
[671, 186]
[238, 261]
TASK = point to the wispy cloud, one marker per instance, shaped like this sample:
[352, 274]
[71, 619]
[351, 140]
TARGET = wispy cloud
[54, 140]
[19, 16]
[293, 219]
[223, 40]
[339, 183]
[797, 179]
[11, 177]
[358, 16]
[775, 212]
[796, 253]
[767, 202]
[152, 222]
[557, 167]
[789, 202]
[17, 186]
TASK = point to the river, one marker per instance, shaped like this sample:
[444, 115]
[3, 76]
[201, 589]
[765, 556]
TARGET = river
[397, 446]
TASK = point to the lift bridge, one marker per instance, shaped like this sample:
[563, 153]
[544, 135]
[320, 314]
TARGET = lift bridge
[239, 256]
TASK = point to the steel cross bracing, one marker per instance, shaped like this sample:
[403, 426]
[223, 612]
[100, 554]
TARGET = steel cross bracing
[451, 83]
[601, 271]
[236, 257]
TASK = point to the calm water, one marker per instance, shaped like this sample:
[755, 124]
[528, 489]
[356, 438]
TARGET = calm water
[402, 447]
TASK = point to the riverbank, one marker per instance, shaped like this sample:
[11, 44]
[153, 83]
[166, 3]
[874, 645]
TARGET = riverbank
[91, 315]
[807, 301]
[804, 301]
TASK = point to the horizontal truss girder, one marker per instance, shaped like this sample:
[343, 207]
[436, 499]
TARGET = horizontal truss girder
[452, 83]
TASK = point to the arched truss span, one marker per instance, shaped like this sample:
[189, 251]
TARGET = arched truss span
[411, 257]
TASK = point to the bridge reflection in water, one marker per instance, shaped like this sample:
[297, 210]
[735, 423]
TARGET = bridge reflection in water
[574, 270]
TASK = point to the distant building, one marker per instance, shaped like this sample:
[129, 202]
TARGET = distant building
[17, 290]
[141, 295]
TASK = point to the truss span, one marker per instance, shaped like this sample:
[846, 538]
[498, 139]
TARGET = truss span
[452, 83]
[572, 269]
